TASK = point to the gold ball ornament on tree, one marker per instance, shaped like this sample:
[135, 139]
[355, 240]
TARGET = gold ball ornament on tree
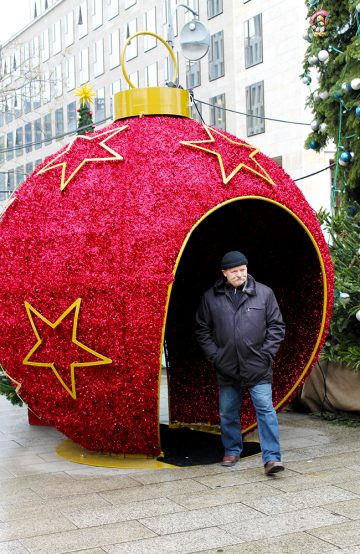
[106, 250]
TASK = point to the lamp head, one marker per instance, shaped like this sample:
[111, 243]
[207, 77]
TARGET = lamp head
[194, 40]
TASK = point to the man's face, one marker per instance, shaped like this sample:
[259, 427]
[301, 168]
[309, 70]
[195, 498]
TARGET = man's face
[236, 276]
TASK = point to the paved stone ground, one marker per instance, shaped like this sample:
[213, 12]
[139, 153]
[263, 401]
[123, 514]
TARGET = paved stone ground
[52, 506]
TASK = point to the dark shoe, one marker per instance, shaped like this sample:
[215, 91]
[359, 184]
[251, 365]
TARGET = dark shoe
[229, 461]
[273, 467]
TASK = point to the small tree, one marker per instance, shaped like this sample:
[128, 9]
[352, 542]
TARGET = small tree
[85, 121]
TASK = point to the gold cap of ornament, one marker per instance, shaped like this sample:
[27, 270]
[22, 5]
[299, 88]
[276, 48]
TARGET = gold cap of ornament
[151, 100]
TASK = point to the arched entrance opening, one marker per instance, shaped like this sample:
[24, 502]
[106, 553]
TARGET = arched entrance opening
[283, 255]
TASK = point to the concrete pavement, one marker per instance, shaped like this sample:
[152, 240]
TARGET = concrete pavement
[51, 506]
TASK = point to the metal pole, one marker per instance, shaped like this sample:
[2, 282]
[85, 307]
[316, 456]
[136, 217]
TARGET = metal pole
[170, 31]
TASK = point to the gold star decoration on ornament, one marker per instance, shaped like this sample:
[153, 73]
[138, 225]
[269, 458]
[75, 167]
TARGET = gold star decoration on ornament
[214, 145]
[54, 339]
[70, 167]
[85, 94]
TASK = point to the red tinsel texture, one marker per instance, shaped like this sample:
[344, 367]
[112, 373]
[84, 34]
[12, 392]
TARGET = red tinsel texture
[113, 238]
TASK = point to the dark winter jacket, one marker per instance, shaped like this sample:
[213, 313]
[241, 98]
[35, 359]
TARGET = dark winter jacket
[240, 339]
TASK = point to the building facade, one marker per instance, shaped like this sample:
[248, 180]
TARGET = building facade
[247, 84]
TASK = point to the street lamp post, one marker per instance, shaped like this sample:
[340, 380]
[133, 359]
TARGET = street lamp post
[194, 36]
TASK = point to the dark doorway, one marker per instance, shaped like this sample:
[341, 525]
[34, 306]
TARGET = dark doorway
[282, 255]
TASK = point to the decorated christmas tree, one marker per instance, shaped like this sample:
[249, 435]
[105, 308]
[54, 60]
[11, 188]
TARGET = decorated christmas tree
[85, 121]
[332, 71]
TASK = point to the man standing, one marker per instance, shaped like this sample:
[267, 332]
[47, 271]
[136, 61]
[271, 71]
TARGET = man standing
[239, 327]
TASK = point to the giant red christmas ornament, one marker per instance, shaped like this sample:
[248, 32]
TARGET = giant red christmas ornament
[105, 252]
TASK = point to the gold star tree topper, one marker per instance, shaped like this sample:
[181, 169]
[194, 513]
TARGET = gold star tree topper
[85, 94]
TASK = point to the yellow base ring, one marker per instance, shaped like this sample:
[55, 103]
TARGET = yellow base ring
[73, 452]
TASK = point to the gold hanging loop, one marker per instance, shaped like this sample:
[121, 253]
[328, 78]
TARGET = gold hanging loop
[127, 42]
[139, 102]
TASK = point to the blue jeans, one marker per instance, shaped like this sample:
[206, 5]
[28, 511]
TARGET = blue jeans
[230, 400]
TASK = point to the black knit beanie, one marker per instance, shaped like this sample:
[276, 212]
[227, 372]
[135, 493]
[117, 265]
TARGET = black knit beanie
[233, 259]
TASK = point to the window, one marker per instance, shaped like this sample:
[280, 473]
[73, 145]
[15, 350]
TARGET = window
[196, 111]
[17, 104]
[9, 146]
[218, 115]
[58, 84]
[3, 194]
[214, 7]
[84, 66]
[168, 67]
[100, 105]
[134, 78]
[83, 20]
[194, 5]
[25, 56]
[193, 74]
[35, 93]
[132, 49]
[8, 109]
[56, 34]
[59, 122]
[28, 137]
[69, 29]
[16, 64]
[35, 51]
[19, 141]
[71, 117]
[255, 107]
[37, 133]
[114, 49]
[216, 56]
[98, 53]
[28, 169]
[11, 180]
[46, 89]
[97, 14]
[115, 87]
[253, 41]
[151, 75]
[2, 149]
[44, 45]
[47, 128]
[149, 25]
[70, 73]
[113, 8]
[20, 175]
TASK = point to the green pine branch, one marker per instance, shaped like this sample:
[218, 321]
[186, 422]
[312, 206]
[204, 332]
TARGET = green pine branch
[7, 389]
